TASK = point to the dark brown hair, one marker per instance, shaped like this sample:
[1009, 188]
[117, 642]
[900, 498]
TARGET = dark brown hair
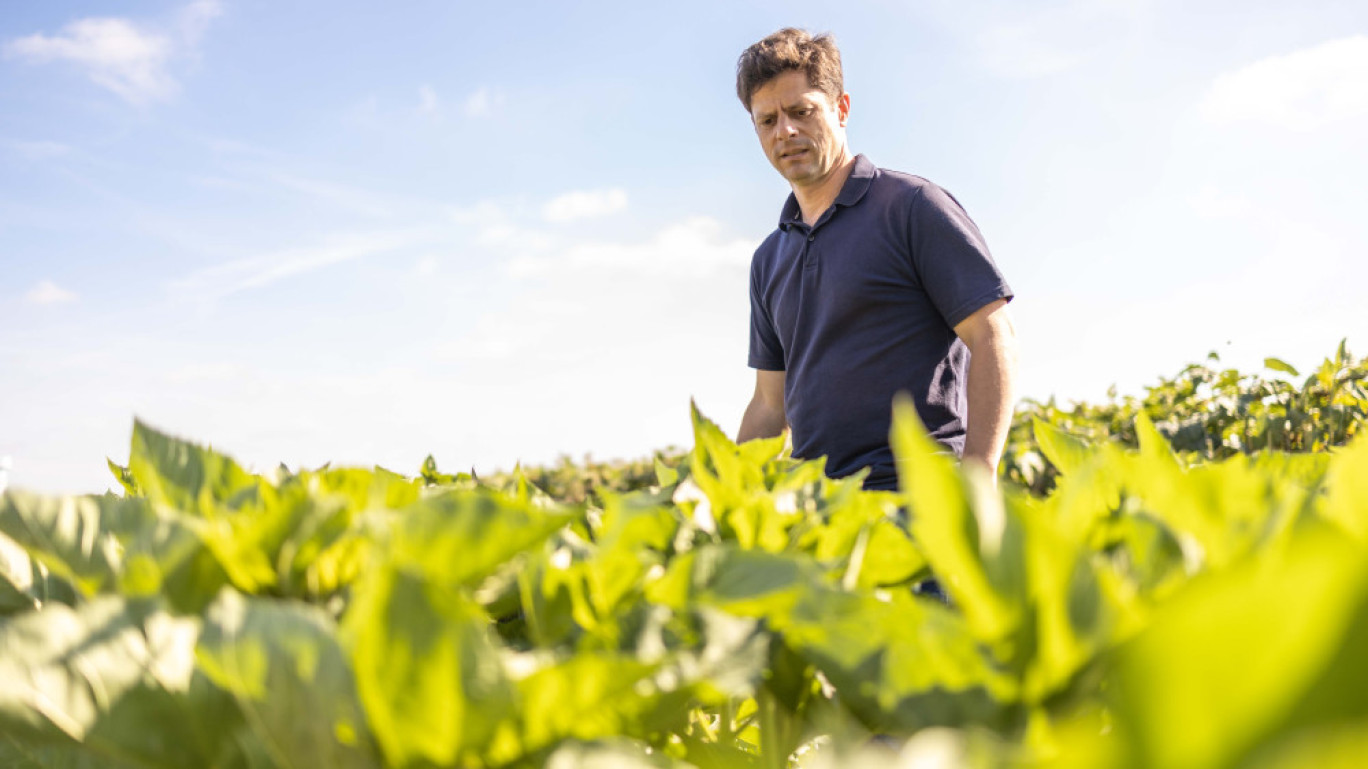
[790, 49]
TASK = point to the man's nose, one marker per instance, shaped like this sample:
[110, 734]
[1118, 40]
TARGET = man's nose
[785, 128]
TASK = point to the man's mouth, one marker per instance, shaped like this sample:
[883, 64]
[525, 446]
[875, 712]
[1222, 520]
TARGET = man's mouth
[792, 153]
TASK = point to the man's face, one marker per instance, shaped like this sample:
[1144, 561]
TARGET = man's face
[801, 130]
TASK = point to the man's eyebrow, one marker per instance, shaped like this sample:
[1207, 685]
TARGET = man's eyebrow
[799, 104]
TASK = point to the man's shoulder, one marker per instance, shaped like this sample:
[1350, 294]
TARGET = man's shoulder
[894, 176]
[766, 253]
[914, 194]
[770, 243]
[890, 182]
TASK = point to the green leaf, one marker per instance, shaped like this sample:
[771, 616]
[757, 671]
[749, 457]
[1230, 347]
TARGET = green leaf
[1337, 746]
[747, 583]
[1346, 497]
[420, 644]
[1271, 643]
[425, 668]
[635, 521]
[666, 476]
[125, 478]
[1076, 607]
[903, 665]
[17, 754]
[71, 536]
[588, 696]
[961, 528]
[889, 558]
[460, 537]
[20, 579]
[1066, 452]
[900, 665]
[727, 473]
[1275, 364]
[707, 754]
[118, 679]
[294, 685]
[363, 489]
[187, 477]
[1154, 447]
[108, 543]
[613, 753]
[431, 476]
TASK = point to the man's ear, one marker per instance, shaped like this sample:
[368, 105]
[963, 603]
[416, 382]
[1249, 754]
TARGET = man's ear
[843, 108]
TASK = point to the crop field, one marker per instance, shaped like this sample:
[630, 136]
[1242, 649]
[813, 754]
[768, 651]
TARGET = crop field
[1173, 580]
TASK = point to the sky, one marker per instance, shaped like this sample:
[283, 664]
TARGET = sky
[363, 233]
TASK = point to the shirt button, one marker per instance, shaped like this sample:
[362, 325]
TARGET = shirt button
[811, 238]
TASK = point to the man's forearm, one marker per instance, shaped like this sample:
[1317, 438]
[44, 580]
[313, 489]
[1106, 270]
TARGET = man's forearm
[992, 388]
[761, 421]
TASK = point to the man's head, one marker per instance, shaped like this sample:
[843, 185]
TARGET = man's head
[790, 49]
[791, 84]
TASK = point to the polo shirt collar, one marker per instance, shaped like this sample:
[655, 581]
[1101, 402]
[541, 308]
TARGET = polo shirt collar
[855, 187]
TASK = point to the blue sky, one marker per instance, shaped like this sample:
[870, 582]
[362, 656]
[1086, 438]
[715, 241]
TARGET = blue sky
[309, 232]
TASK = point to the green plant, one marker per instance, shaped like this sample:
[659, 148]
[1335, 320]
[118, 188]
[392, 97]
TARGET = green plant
[1155, 605]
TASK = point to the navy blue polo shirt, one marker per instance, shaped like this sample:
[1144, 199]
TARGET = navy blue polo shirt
[862, 305]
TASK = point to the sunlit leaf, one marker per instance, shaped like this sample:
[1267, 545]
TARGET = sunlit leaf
[294, 685]
[1275, 364]
[187, 477]
[965, 534]
[1346, 500]
[117, 678]
[1252, 641]
[425, 669]
[1065, 451]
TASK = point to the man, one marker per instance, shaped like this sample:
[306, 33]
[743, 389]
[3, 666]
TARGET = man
[875, 282]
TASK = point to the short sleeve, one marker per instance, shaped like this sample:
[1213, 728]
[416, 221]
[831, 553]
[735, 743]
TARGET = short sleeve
[951, 258]
[766, 353]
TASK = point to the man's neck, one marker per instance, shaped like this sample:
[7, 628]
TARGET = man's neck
[815, 199]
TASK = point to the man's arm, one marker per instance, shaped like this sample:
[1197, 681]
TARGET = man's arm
[991, 340]
[764, 417]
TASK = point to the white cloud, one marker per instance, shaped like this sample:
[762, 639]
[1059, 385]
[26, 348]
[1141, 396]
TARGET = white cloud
[1303, 90]
[127, 58]
[583, 204]
[238, 275]
[676, 278]
[199, 373]
[113, 52]
[193, 20]
[1020, 51]
[1215, 203]
[480, 103]
[348, 198]
[493, 225]
[1014, 40]
[427, 266]
[366, 112]
[222, 183]
[693, 248]
[38, 150]
[612, 328]
[427, 100]
[47, 292]
[224, 146]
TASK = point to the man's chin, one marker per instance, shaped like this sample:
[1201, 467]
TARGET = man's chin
[800, 175]
[790, 168]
